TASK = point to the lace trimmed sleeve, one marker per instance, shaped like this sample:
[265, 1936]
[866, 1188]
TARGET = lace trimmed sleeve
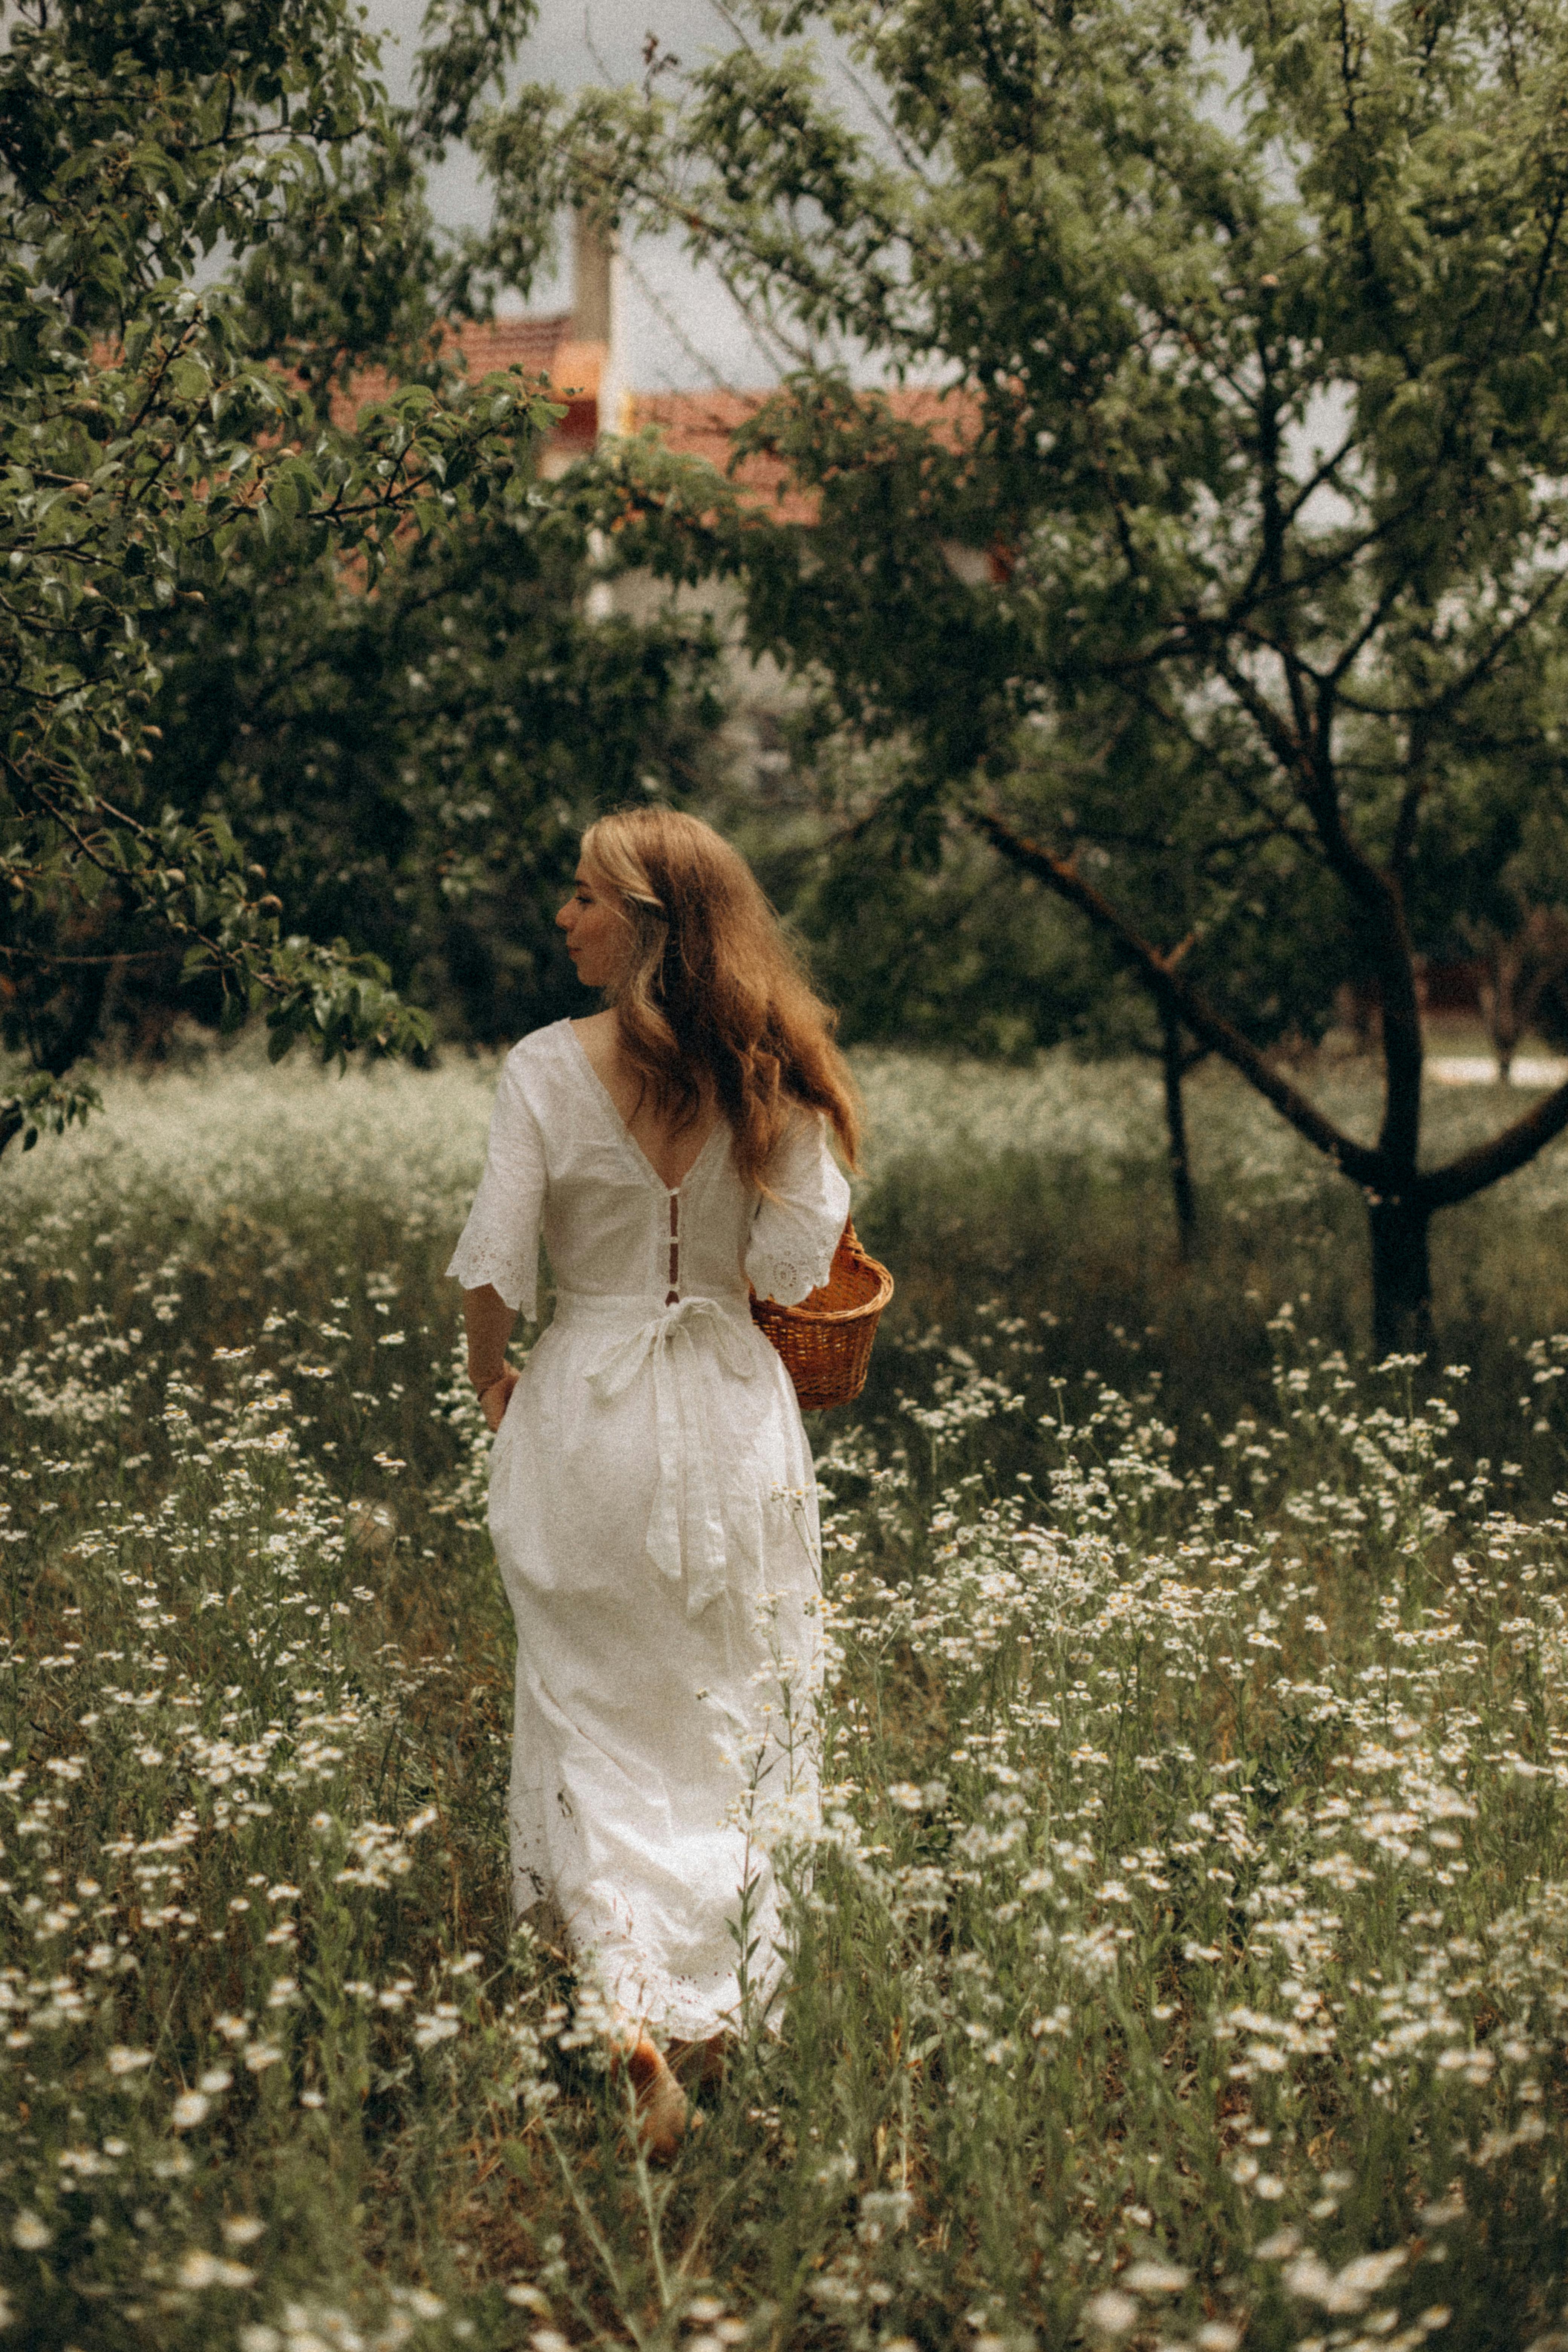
[794, 1238]
[500, 1243]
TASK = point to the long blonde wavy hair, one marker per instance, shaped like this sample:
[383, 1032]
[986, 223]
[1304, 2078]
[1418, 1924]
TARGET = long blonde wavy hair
[714, 990]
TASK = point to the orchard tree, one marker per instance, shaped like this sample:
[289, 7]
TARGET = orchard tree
[160, 424]
[951, 944]
[1244, 331]
[1514, 901]
[415, 766]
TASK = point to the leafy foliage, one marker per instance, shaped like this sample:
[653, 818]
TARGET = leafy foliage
[415, 766]
[146, 449]
[1215, 575]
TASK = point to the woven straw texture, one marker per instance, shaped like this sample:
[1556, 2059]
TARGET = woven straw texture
[826, 1341]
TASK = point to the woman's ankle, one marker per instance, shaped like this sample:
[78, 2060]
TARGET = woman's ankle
[643, 2061]
[661, 2104]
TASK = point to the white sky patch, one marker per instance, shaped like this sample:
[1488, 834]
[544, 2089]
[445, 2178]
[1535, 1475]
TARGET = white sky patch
[680, 328]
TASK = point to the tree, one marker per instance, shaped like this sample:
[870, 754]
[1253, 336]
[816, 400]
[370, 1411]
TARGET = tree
[952, 946]
[1255, 392]
[415, 766]
[147, 446]
[1514, 908]
[1521, 968]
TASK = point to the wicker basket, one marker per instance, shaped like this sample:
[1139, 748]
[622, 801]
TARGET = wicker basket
[826, 1341]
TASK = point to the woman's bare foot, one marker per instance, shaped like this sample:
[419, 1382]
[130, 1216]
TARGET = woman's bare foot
[661, 2110]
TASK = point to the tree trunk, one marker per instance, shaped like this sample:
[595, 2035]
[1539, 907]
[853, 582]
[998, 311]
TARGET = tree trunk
[1401, 1273]
[1502, 1006]
[1402, 1200]
[1173, 1065]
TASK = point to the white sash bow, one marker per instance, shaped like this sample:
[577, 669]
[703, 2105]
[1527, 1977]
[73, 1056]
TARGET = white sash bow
[685, 1528]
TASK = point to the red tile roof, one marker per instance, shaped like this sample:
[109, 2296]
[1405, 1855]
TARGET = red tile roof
[693, 424]
[702, 424]
[539, 346]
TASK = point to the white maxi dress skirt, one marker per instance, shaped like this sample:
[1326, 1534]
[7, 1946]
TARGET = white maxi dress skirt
[653, 1507]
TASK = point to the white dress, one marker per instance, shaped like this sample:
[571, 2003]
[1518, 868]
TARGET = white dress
[653, 1507]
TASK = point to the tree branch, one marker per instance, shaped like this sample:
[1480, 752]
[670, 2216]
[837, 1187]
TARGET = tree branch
[1440, 1188]
[1363, 1164]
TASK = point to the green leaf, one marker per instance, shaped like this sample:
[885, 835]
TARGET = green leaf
[190, 379]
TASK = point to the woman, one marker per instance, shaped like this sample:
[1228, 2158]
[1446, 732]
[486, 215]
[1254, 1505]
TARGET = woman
[653, 1504]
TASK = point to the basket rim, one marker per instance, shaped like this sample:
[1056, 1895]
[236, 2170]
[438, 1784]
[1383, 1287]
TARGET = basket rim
[864, 1307]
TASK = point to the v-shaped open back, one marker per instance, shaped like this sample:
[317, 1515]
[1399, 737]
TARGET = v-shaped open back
[611, 1106]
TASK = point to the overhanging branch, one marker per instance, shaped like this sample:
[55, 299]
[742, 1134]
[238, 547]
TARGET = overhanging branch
[1474, 1170]
[1357, 1160]
[1436, 1187]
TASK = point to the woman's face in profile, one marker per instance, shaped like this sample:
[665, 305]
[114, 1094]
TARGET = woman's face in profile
[597, 935]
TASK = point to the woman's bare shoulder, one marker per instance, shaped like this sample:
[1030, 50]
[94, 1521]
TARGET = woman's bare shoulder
[599, 1037]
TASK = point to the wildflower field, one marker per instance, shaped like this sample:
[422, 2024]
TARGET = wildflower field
[1184, 1962]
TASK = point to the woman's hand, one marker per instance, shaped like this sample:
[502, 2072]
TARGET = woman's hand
[495, 1399]
[489, 1320]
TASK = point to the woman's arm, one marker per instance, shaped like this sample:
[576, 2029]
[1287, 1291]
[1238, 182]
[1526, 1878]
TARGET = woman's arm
[794, 1235]
[489, 1321]
[497, 1259]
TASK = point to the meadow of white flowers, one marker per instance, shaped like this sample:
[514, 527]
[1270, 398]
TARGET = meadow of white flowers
[1185, 1959]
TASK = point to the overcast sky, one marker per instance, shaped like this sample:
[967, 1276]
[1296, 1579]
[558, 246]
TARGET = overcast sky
[679, 330]
[679, 326]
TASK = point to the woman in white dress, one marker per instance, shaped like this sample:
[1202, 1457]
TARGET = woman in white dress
[653, 1504]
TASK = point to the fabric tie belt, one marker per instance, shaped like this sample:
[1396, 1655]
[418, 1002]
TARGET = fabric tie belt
[685, 1526]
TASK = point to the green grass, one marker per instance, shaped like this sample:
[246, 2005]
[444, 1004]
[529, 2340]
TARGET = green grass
[1046, 1192]
[1183, 1962]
